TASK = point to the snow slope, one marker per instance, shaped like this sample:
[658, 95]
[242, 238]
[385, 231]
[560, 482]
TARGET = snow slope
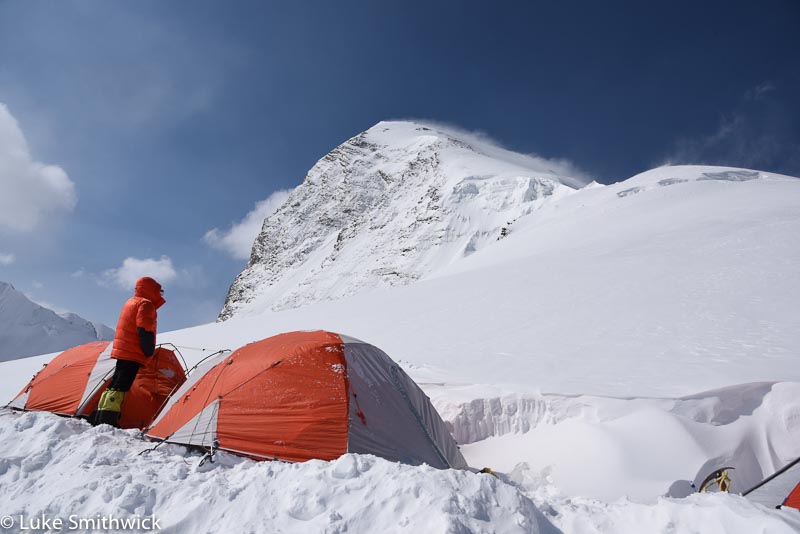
[27, 328]
[620, 343]
[668, 292]
[388, 207]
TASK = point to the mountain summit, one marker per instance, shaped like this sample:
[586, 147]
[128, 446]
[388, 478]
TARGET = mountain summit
[387, 207]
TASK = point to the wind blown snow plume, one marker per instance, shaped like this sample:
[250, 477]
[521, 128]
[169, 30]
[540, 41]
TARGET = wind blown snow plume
[481, 142]
[7, 259]
[237, 241]
[30, 190]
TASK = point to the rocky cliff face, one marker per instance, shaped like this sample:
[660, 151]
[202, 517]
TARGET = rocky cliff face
[388, 207]
[27, 329]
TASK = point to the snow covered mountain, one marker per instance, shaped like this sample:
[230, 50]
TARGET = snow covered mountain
[27, 328]
[389, 207]
[618, 344]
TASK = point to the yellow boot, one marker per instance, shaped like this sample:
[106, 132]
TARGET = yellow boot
[109, 407]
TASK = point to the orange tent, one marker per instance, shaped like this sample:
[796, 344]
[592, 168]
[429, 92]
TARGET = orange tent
[305, 395]
[71, 384]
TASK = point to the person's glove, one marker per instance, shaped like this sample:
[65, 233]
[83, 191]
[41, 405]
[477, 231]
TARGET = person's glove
[147, 340]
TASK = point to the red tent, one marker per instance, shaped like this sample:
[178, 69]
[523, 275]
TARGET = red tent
[71, 384]
[305, 395]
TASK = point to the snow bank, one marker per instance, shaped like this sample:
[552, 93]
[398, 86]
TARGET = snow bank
[58, 467]
[609, 448]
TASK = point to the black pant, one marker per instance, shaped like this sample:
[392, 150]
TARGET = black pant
[124, 375]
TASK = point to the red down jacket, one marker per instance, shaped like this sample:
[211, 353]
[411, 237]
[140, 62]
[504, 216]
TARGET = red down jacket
[138, 312]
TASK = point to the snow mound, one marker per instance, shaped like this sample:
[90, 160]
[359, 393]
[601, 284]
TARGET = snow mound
[58, 467]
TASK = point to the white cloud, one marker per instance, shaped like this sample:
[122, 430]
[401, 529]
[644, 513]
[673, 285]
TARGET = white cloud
[7, 259]
[125, 276]
[30, 190]
[238, 239]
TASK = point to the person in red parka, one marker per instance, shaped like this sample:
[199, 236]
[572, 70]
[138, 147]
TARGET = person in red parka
[134, 340]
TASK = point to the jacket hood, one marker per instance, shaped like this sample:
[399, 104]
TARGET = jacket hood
[149, 289]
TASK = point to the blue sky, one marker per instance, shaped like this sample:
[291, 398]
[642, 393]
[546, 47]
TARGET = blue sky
[170, 119]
